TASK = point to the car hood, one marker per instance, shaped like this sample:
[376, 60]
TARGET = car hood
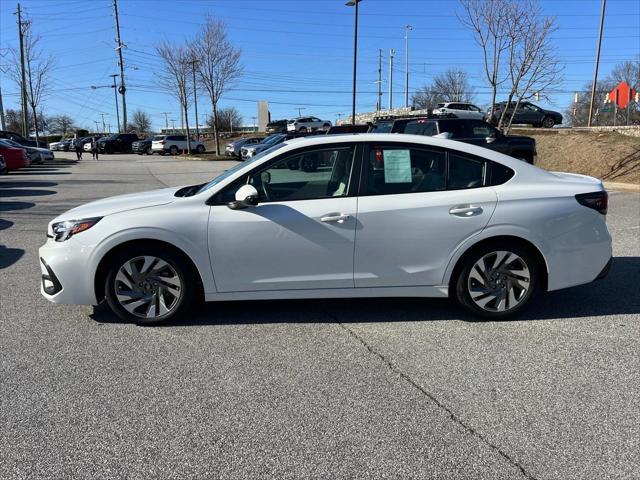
[120, 203]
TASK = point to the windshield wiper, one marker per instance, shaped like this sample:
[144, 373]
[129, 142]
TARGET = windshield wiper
[189, 191]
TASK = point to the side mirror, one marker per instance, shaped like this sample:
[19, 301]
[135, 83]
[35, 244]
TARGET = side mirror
[246, 196]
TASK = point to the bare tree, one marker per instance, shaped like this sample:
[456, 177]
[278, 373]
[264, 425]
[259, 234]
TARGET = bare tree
[488, 20]
[425, 98]
[452, 85]
[37, 66]
[218, 64]
[13, 120]
[60, 124]
[533, 67]
[140, 122]
[228, 119]
[175, 76]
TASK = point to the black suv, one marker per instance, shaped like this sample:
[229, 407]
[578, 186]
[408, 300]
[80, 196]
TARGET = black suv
[465, 130]
[527, 113]
[117, 143]
[142, 146]
[277, 126]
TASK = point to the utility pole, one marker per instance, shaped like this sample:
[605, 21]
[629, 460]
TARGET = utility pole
[595, 74]
[354, 3]
[300, 110]
[23, 81]
[2, 124]
[379, 80]
[173, 125]
[104, 128]
[193, 63]
[119, 48]
[406, 65]
[391, 54]
[115, 94]
[166, 120]
[97, 125]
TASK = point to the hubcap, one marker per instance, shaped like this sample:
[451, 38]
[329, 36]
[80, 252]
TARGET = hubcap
[499, 281]
[147, 287]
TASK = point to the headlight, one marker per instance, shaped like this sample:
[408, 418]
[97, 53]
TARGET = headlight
[64, 230]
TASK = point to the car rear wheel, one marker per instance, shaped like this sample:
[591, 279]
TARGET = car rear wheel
[497, 281]
[548, 122]
[173, 150]
[149, 285]
[200, 149]
[148, 151]
[302, 129]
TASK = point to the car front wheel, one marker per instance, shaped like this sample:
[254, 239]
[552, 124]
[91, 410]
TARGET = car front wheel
[173, 150]
[200, 149]
[149, 285]
[497, 281]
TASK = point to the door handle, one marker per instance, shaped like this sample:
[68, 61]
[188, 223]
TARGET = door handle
[335, 217]
[465, 210]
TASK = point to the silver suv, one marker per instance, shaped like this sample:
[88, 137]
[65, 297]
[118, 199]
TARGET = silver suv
[307, 124]
[460, 110]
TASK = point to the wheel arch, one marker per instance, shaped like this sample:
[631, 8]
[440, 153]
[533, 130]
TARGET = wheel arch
[103, 266]
[527, 244]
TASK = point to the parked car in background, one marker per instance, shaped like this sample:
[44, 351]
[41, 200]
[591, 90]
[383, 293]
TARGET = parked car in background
[16, 137]
[232, 149]
[277, 126]
[175, 144]
[249, 151]
[3, 165]
[62, 145]
[527, 113]
[117, 143]
[384, 215]
[143, 146]
[35, 154]
[475, 132]
[15, 158]
[307, 124]
[460, 110]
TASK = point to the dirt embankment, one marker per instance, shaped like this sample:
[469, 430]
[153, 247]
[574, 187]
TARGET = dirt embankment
[609, 156]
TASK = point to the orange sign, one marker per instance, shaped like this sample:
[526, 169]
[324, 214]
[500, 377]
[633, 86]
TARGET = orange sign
[622, 94]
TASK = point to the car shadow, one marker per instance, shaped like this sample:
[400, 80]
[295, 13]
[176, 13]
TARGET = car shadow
[9, 256]
[25, 192]
[614, 295]
[5, 224]
[27, 183]
[11, 206]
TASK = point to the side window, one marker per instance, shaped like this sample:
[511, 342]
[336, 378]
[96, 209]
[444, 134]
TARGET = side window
[306, 175]
[456, 129]
[393, 170]
[421, 128]
[482, 130]
[499, 173]
[464, 172]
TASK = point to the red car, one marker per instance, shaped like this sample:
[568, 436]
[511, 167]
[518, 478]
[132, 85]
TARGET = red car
[15, 158]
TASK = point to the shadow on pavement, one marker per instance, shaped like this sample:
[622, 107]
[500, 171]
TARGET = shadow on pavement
[5, 224]
[28, 183]
[617, 294]
[10, 206]
[9, 256]
[26, 192]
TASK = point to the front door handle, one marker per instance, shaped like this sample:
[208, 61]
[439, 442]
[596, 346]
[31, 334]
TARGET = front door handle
[334, 217]
[465, 210]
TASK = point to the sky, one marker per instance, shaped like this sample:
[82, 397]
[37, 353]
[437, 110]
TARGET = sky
[295, 53]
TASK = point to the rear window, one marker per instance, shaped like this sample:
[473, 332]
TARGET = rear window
[440, 105]
[382, 127]
[456, 129]
[158, 137]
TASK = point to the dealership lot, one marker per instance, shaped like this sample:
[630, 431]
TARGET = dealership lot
[304, 389]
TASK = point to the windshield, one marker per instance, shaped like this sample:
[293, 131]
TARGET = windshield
[271, 139]
[232, 170]
[11, 142]
[382, 127]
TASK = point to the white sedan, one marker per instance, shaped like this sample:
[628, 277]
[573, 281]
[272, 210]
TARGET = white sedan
[366, 215]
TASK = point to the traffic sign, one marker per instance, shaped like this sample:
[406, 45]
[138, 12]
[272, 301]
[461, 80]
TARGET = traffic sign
[622, 94]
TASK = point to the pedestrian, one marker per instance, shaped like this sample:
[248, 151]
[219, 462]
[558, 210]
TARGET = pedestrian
[94, 148]
[78, 146]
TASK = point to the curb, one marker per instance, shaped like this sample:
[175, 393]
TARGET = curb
[625, 187]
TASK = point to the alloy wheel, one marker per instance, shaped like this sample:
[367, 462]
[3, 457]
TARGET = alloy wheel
[499, 281]
[147, 287]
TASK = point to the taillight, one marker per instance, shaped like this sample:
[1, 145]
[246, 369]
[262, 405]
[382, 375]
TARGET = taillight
[597, 200]
[163, 142]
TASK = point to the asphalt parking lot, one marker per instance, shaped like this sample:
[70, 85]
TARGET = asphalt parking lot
[374, 388]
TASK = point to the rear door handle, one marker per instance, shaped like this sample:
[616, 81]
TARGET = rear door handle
[465, 210]
[334, 217]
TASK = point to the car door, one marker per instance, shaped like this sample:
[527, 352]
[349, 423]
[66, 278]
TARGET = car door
[416, 205]
[300, 235]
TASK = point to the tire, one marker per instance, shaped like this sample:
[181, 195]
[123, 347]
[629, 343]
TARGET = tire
[164, 292]
[148, 151]
[326, 125]
[302, 129]
[548, 122]
[173, 150]
[200, 149]
[478, 285]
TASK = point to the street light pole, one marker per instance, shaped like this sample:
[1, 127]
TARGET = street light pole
[406, 65]
[354, 3]
[595, 74]
[392, 52]
[115, 93]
